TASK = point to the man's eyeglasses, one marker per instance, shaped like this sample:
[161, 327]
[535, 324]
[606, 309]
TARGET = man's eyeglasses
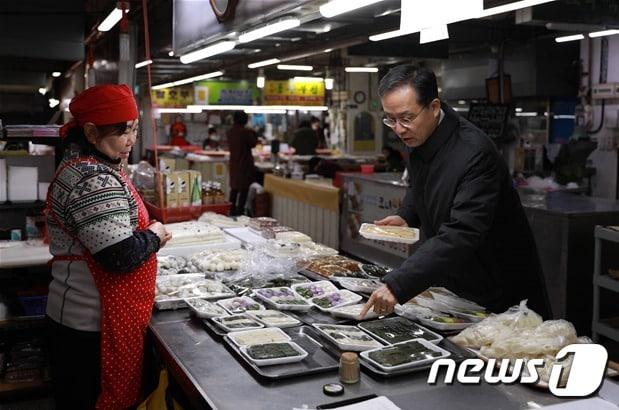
[406, 121]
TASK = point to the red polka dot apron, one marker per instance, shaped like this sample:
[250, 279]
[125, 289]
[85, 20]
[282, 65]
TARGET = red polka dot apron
[126, 308]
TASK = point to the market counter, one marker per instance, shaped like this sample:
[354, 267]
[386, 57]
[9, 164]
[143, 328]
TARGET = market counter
[305, 206]
[212, 378]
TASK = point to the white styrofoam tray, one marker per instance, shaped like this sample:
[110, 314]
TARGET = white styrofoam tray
[275, 333]
[347, 344]
[428, 345]
[368, 235]
[283, 360]
[245, 235]
[187, 251]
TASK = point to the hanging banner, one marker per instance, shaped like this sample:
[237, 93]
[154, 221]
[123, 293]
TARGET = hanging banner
[226, 92]
[175, 97]
[294, 92]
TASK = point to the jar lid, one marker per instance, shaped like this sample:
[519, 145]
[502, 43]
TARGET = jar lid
[349, 357]
[333, 389]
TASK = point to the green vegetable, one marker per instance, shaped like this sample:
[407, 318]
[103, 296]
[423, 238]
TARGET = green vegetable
[271, 351]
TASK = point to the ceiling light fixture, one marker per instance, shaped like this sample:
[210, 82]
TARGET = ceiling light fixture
[53, 102]
[328, 83]
[293, 67]
[388, 34]
[263, 63]
[188, 80]
[573, 37]
[437, 33]
[512, 6]
[111, 19]
[337, 7]
[177, 110]
[265, 31]
[309, 79]
[56, 74]
[211, 107]
[328, 50]
[143, 63]
[42, 90]
[171, 53]
[264, 111]
[207, 52]
[603, 33]
[361, 69]
[260, 80]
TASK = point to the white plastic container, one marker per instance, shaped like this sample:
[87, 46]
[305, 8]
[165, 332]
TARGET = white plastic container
[319, 288]
[222, 322]
[346, 298]
[352, 312]
[204, 309]
[260, 336]
[386, 233]
[358, 284]
[273, 318]
[239, 304]
[280, 299]
[347, 342]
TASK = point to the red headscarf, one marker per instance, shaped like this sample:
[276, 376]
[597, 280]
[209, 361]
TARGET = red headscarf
[102, 105]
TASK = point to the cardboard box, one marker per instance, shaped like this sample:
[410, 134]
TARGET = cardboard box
[168, 187]
[167, 164]
[183, 187]
[181, 164]
[216, 171]
[195, 188]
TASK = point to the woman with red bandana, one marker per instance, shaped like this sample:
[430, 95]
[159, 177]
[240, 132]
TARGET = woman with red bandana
[104, 266]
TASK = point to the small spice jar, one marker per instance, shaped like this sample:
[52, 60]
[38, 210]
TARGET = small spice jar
[349, 368]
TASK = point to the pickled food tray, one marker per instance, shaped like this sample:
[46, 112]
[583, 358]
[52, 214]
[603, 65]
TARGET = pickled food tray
[273, 318]
[282, 298]
[404, 355]
[320, 358]
[348, 338]
[269, 354]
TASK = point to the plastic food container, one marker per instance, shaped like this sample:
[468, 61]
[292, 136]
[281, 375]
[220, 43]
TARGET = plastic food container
[258, 336]
[422, 344]
[348, 338]
[301, 354]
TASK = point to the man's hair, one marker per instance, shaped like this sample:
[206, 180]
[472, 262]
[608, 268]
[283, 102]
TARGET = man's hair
[240, 118]
[314, 119]
[422, 80]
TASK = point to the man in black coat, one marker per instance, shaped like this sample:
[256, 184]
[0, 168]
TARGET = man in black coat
[475, 238]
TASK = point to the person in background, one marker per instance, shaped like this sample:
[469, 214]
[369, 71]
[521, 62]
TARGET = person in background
[242, 170]
[475, 237]
[104, 257]
[393, 158]
[212, 140]
[304, 140]
[178, 132]
[315, 124]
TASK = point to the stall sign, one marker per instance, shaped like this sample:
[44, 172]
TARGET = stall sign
[174, 97]
[294, 92]
[228, 92]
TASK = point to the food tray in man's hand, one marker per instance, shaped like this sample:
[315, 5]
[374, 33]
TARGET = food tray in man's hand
[404, 355]
[389, 233]
[347, 338]
[398, 329]
[321, 358]
[326, 267]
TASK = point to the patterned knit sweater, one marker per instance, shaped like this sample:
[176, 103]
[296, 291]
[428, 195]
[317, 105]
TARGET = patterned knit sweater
[93, 202]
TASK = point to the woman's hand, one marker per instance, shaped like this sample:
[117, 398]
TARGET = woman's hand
[158, 229]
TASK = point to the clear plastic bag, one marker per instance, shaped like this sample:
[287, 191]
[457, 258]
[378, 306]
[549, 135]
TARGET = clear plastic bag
[515, 319]
[258, 270]
[143, 175]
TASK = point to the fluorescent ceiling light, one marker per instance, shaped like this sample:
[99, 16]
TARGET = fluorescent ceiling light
[309, 79]
[526, 114]
[143, 63]
[512, 6]
[295, 67]
[328, 50]
[186, 110]
[265, 31]
[460, 109]
[569, 38]
[389, 34]
[53, 102]
[260, 80]
[171, 53]
[337, 7]
[207, 52]
[56, 74]
[255, 107]
[264, 111]
[326, 28]
[329, 83]
[42, 90]
[564, 117]
[188, 80]
[518, 109]
[111, 19]
[603, 33]
[361, 69]
[437, 33]
[263, 63]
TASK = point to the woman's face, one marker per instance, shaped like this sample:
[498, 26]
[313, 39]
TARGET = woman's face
[117, 145]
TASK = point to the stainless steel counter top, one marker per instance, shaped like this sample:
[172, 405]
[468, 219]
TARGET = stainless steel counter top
[212, 377]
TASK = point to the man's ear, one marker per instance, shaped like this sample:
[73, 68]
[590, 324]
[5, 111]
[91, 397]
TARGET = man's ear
[91, 133]
[436, 107]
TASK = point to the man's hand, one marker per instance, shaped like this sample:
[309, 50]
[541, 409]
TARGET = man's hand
[393, 220]
[383, 301]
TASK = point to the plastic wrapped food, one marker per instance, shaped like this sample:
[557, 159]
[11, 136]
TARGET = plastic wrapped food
[174, 265]
[219, 261]
[515, 319]
[389, 233]
[194, 232]
[545, 340]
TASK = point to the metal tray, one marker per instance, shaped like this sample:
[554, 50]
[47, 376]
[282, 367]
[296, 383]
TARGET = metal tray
[320, 358]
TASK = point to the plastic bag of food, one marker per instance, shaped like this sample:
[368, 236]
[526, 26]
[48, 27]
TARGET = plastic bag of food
[515, 319]
[258, 269]
[143, 176]
[545, 340]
